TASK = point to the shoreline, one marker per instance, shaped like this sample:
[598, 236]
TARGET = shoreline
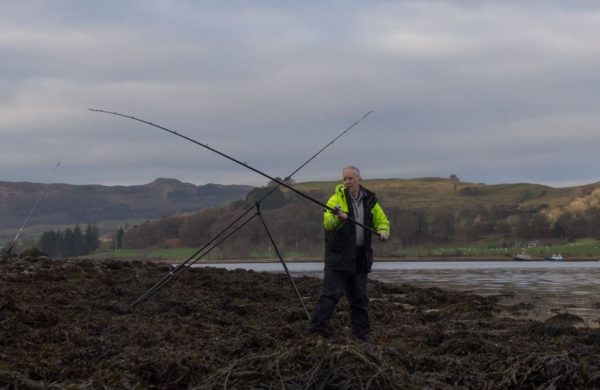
[384, 260]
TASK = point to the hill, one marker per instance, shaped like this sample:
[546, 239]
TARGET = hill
[422, 211]
[65, 204]
[432, 193]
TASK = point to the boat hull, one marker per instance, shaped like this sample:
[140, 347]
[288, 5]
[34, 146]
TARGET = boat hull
[522, 258]
[553, 258]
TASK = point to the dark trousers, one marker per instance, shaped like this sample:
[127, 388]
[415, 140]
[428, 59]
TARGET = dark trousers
[335, 284]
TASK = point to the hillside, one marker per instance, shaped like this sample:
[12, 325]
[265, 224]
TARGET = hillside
[422, 211]
[432, 193]
[64, 204]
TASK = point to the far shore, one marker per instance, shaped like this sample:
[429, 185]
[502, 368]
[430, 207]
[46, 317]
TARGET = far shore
[395, 259]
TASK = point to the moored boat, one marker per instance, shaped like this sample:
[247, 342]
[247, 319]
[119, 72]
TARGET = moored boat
[522, 257]
[554, 257]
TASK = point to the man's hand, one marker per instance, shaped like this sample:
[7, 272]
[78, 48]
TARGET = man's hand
[383, 236]
[337, 211]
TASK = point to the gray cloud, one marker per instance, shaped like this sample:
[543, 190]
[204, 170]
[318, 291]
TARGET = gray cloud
[495, 91]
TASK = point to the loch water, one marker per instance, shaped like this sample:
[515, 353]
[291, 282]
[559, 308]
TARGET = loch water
[545, 287]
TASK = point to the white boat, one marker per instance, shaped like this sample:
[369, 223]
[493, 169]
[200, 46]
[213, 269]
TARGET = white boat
[554, 257]
[522, 257]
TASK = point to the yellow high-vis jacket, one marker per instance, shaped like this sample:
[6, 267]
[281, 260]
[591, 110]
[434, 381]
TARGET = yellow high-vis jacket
[340, 236]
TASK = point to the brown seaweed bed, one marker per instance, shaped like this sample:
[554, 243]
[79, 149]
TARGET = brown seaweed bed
[69, 324]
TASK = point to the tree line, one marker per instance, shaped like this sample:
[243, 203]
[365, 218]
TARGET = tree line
[296, 232]
[296, 225]
[480, 222]
[70, 242]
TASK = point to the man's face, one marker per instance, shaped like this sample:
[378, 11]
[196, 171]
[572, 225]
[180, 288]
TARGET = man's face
[351, 180]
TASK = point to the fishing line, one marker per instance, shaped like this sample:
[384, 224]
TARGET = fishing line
[11, 244]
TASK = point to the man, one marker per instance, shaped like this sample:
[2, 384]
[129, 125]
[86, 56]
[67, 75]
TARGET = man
[348, 252]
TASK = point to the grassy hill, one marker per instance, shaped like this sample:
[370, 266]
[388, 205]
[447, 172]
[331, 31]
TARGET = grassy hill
[432, 193]
[425, 213]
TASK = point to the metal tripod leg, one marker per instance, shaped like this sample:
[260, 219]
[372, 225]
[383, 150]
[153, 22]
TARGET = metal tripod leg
[282, 261]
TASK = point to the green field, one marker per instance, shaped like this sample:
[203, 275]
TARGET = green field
[179, 254]
[579, 249]
[145, 254]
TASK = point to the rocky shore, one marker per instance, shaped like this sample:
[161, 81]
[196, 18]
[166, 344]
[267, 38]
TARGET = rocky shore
[69, 324]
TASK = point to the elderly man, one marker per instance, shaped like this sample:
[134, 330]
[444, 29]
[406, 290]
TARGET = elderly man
[348, 252]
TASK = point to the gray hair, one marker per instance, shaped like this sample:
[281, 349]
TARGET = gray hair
[353, 168]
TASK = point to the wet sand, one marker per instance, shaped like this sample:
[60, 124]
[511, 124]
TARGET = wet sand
[69, 324]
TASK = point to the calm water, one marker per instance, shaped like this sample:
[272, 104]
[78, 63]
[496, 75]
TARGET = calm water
[572, 287]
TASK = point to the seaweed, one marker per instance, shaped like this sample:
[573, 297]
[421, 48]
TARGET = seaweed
[69, 324]
[323, 365]
[545, 371]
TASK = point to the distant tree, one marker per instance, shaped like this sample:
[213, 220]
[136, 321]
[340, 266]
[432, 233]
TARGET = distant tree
[274, 183]
[443, 225]
[502, 227]
[540, 226]
[574, 225]
[275, 200]
[592, 215]
[78, 245]
[411, 225]
[196, 229]
[558, 230]
[533, 225]
[68, 243]
[453, 177]
[91, 239]
[73, 242]
[152, 233]
[499, 212]
[475, 228]
[119, 238]
[50, 242]
[286, 180]
[422, 223]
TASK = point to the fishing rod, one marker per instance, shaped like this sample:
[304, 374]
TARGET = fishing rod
[305, 196]
[257, 213]
[183, 266]
[11, 244]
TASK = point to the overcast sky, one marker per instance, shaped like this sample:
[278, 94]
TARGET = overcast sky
[492, 91]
